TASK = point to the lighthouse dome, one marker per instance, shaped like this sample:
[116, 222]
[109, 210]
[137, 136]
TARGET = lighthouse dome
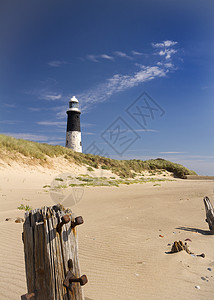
[74, 104]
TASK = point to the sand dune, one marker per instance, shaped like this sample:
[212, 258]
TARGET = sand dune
[120, 247]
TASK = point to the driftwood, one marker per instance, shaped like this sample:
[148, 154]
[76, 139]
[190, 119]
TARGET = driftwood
[209, 214]
[51, 255]
[179, 246]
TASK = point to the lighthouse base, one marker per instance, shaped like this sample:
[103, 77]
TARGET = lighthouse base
[73, 140]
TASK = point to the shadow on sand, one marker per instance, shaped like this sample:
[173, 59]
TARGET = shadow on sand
[191, 229]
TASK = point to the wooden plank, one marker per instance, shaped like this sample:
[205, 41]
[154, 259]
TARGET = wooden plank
[59, 263]
[29, 255]
[209, 214]
[40, 282]
[51, 246]
[49, 279]
[70, 248]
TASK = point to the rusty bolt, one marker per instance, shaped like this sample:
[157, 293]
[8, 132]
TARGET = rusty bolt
[64, 220]
[70, 277]
[28, 296]
[77, 221]
[70, 264]
[82, 280]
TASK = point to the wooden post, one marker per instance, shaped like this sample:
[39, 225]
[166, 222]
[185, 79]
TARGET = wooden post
[209, 214]
[51, 255]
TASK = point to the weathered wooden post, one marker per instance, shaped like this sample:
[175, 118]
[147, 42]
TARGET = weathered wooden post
[209, 214]
[51, 255]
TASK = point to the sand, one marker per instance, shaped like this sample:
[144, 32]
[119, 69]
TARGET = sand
[124, 241]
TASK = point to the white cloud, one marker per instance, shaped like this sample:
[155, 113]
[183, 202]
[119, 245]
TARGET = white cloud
[146, 130]
[92, 58]
[122, 54]
[164, 44]
[88, 133]
[105, 56]
[28, 136]
[36, 138]
[51, 97]
[47, 91]
[169, 65]
[10, 122]
[95, 58]
[9, 105]
[172, 152]
[46, 123]
[167, 53]
[167, 49]
[56, 63]
[34, 108]
[136, 53]
[119, 83]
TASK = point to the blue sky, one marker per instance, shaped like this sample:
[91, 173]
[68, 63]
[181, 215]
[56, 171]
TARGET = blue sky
[107, 54]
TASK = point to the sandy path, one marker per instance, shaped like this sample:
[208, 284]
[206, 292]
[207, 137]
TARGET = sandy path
[119, 244]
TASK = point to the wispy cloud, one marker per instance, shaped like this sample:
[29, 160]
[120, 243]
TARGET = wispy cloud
[36, 138]
[120, 83]
[54, 123]
[167, 53]
[164, 44]
[46, 90]
[165, 48]
[136, 53]
[105, 56]
[51, 97]
[122, 54]
[172, 152]
[10, 122]
[9, 105]
[95, 58]
[56, 63]
[88, 133]
[28, 136]
[146, 130]
[34, 108]
[92, 58]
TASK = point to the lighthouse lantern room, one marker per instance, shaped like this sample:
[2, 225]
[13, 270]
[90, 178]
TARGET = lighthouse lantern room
[73, 134]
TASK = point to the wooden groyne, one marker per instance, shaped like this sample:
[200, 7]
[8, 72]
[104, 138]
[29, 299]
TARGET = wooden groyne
[198, 177]
[51, 255]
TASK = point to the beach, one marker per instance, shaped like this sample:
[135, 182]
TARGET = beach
[126, 238]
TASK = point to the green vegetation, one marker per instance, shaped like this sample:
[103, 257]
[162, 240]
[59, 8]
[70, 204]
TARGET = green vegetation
[24, 207]
[123, 168]
[90, 169]
[61, 186]
[104, 181]
[104, 167]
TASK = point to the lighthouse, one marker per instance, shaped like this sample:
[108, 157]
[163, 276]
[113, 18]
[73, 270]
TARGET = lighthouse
[73, 134]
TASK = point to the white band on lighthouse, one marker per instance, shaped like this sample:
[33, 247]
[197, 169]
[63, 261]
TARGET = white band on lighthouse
[73, 140]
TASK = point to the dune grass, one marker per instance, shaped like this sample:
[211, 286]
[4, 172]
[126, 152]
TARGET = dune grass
[123, 168]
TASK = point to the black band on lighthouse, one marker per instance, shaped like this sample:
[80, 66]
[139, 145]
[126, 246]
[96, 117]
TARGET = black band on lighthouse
[73, 122]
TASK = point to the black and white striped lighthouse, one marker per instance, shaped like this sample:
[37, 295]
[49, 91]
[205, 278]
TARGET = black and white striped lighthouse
[73, 134]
